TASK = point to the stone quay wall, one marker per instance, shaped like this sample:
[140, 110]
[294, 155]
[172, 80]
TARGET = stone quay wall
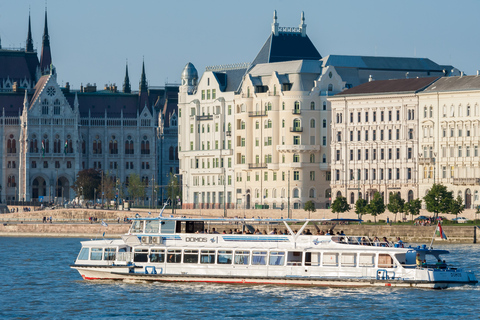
[75, 223]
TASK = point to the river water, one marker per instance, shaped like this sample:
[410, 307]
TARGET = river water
[36, 282]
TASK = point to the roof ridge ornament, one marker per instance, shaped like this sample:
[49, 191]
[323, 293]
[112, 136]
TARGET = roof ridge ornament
[275, 23]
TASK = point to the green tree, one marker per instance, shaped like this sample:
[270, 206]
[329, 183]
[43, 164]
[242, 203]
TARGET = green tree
[413, 207]
[108, 187]
[86, 181]
[361, 207]
[340, 205]
[309, 207]
[136, 187]
[456, 206]
[376, 206]
[438, 199]
[395, 204]
[173, 188]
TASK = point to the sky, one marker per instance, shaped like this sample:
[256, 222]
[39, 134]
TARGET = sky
[92, 40]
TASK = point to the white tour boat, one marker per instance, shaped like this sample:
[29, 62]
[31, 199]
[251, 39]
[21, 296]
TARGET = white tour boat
[178, 249]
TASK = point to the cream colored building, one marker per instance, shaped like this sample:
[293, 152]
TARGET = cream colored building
[375, 139]
[449, 127]
[273, 144]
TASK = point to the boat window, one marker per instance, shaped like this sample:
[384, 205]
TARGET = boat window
[151, 226]
[348, 259]
[109, 254]
[314, 258]
[167, 227]
[259, 257]
[294, 258]
[207, 256]
[401, 258]
[83, 255]
[137, 226]
[224, 257]
[190, 256]
[140, 255]
[96, 254]
[194, 226]
[157, 255]
[330, 259]
[366, 260]
[277, 258]
[174, 256]
[242, 257]
[385, 261]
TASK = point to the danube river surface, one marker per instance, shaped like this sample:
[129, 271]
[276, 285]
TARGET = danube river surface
[36, 282]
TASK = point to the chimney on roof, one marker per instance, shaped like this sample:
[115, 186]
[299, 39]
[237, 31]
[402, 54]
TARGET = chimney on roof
[15, 87]
[303, 26]
[67, 87]
[370, 79]
[461, 74]
[406, 75]
[478, 72]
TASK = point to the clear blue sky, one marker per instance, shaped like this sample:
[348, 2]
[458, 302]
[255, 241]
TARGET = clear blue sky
[91, 39]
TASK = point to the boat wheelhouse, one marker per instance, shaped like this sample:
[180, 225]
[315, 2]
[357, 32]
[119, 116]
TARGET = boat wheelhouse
[188, 249]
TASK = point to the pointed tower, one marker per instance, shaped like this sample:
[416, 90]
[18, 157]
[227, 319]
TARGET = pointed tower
[126, 83]
[143, 90]
[29, 45]
[143, 80]
[46, 56]
[275, 23]
[303, 26]
[26, 105]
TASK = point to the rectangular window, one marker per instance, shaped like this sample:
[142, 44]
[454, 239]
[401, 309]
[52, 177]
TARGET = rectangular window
[312, 175]
[259, 257]
[207, 256]
[189, 256]
[242, 257]
[224, 257]
[277, 258]
[296, 175]
[296, 140]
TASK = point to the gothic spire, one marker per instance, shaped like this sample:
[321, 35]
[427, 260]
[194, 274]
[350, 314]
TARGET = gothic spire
[126, 83]
[46, 56]
[143, 79]
[29, 46]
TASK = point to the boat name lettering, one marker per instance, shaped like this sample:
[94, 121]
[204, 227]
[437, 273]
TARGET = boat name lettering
[192, 239]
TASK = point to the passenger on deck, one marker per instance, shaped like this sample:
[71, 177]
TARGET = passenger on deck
[214, 231]
[376, 241]
[399, 243]
[418, 260]
[342, 233]
[308, 232]
[385, 242]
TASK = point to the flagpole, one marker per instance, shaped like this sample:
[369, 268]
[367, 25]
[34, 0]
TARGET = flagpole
[433, 237]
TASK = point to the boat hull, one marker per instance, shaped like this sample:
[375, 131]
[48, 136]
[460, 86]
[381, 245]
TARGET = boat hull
[125, 275]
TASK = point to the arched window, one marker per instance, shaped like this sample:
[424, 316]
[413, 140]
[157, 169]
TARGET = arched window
[283, 123]
[312, 158]
[34, 144]
[11, 145]
[324, 158]
[410, 195]
[269, 124]
[324, 123]
[468, 111]
[324, 106]
[11, 181]
[129, 145]
[330, 87]
[257, 125]
[452, 111]
[339, 194]
[460, 111]
[424, 112]
[312, 123]
[312, 193]
[229, 126]
[296, 124]
[352, 197]
[312, 105]
[296, 193]
[56, 107]
[296, 107]
[145, 147]
[431, 112]
[45, 107]
[113, 146]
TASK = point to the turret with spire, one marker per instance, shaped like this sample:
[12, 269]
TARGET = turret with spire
[143, 80]
[29, 45]
[46, 56]
[275, 23]
[303, 26]
[143, 89]
[126, 83]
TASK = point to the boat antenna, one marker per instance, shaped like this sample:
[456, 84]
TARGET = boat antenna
[161, 212]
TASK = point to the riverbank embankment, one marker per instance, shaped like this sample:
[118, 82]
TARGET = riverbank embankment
[78, 223]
